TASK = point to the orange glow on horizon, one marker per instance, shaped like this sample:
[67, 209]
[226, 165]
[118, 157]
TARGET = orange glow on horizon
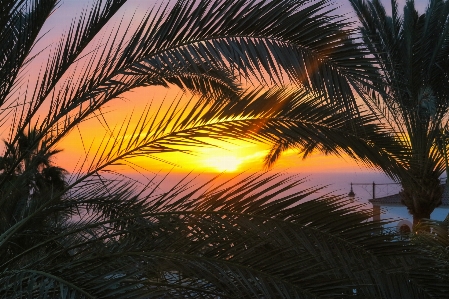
[237, 156]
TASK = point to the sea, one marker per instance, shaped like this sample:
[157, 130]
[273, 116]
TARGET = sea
[328, 183]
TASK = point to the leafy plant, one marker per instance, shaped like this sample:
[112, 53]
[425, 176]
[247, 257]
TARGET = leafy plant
[91, 235]
[407, 95]
[412, 55]
[247, 237]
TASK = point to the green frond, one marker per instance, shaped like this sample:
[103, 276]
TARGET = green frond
[279, 41]
[21, 22]
[411, 54]
[294, 119]
[90, 234]
[274, 246]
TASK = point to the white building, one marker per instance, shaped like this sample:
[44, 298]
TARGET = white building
[390, 207]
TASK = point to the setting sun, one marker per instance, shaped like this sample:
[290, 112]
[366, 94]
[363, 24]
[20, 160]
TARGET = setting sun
[230, 157]
[223, 163]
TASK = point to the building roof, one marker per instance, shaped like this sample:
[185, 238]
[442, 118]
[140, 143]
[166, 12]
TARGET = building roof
[395, 199]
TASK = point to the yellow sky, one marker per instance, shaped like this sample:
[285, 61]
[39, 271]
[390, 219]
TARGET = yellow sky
[228, 157]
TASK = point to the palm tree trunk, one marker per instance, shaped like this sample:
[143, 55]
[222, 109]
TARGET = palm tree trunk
[421, 197]
[418, 218]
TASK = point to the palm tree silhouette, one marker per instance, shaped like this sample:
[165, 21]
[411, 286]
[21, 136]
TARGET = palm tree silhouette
[34, 181]
[248, 239]
[410, 103]
[412, 54]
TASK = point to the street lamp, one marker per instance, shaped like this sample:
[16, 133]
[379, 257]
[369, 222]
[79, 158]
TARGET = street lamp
[351, 193]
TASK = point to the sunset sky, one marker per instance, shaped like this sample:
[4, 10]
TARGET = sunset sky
[235, 157]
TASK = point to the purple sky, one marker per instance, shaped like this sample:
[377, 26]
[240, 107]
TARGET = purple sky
[70, 8]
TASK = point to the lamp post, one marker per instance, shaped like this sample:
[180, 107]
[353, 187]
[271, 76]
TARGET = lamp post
[376, 206]
[351, 193]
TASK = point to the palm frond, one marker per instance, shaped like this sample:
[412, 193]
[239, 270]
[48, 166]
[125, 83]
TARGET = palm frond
[282, 117]
[408, 50]
[256, 236]
[199, 39]
[21, 23]
[274, 246]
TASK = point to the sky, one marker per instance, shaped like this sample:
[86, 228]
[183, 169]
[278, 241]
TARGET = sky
[231, 158]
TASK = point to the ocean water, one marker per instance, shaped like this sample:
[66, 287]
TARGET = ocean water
[332, 182]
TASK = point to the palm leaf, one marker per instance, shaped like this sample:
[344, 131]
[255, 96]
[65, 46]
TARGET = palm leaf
[274, 246]
[410, 50]
[288, 40]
